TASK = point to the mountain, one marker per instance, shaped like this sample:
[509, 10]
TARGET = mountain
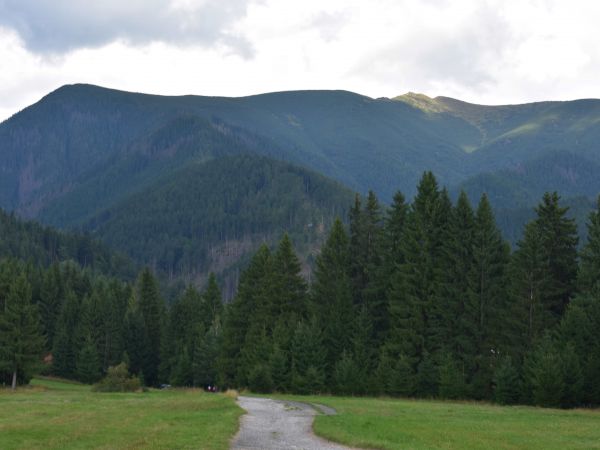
[88, 157]
[209, 216]
[51, 148]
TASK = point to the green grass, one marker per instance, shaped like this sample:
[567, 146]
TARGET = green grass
[422, 424]
[59, 415]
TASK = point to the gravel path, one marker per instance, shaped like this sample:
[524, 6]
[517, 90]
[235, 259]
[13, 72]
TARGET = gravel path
[274, 424]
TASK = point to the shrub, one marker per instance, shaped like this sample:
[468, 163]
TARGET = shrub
[118, 379]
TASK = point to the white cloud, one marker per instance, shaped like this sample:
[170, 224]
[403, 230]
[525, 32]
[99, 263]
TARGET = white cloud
[489, 51]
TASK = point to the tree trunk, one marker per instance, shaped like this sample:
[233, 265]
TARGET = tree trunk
[14, 380]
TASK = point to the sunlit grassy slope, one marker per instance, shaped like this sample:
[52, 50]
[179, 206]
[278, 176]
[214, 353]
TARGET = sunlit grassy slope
[59, 415]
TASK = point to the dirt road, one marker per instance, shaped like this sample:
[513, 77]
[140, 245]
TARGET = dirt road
[275, 424]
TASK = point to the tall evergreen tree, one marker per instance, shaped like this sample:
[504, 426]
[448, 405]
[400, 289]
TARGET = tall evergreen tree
[135, 338]
[486, 306]
[308, 359]
[457, 328]
[415, 284]
[288, 291]
[88, 362]
[487, 278]
[544, 374]
[559, 242]
[391, 254]
[51, 297]
[529, 284]
[239, 314]
[507, 386]
[206, 352]
[21, 341]
[151, 306]
[332, 293]
[589, 272]
[213, 302]
[372, 295]
[65, 345]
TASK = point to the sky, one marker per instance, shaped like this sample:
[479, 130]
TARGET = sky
[482, 51]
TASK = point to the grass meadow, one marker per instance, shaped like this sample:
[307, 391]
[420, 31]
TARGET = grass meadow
[52, 414]
[424, 424]
[61, 415]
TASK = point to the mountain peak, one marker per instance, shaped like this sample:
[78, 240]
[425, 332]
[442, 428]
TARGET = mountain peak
[422, 102]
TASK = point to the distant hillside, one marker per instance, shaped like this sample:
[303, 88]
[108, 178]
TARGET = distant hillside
[210, 215]
[42, 245]
[524, 184]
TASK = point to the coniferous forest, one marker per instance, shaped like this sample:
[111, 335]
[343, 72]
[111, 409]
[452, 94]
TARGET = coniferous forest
[422, 299]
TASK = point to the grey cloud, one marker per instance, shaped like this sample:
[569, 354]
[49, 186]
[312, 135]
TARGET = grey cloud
[57, 26]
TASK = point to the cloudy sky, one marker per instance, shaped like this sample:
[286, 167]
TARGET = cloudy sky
[484, 51]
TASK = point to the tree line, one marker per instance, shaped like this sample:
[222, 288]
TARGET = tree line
[425, 300]
[421, 299]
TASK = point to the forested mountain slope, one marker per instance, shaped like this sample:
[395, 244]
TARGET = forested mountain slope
[42, 245]
[210, 215]
[50, 149]
[86, 157]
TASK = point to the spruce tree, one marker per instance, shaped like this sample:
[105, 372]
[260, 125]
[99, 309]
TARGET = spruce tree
[544, 374]
[572, 375]
[415, 285]
[346, 375]
[391, 258]
[364, 350]
[238, 315]
[280, 360]
[458, 329]
[150, 305]
[507, 386]
[278, 367]
[21, 340]
[357, 232]
[182, 373]
[589, 270]
[427, 379]
[486, 306]
[452, 383]
[87, 362]
[51, 297]
[530, 281]
[332, 294]
[579, 336]
[65, 347]
[559, 243]
[135, 338]
[308, 359]
[373, 295]
[213, 303]
[402, 378]
[288, 293]
[256, 350]
[206, 351]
